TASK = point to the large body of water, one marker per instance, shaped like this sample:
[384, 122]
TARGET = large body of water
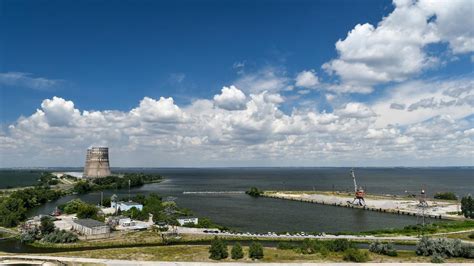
[244, 213]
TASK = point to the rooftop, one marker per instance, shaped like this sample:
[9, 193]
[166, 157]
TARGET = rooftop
[129, 203]
[89, 223]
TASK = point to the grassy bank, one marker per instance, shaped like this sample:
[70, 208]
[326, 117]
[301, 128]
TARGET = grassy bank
[413, 230]
[201, 254]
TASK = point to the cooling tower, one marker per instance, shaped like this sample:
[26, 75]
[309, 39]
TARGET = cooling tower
[97, 162]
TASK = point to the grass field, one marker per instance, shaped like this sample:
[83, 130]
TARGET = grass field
[201, 254]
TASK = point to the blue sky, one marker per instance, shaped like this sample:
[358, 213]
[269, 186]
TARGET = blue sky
[110, 55]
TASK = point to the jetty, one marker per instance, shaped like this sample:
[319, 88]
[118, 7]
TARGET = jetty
[436, 209]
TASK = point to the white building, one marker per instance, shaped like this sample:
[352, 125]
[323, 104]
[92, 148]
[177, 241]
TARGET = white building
[125, 206]
[187, 220]
[90, 227]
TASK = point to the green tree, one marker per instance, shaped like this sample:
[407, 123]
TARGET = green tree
[46, 225]
[12, 211]
[467, 206]
[445, 196]
[82, 187]
[256, 251]
[237, 252]
[87, 211]
[254, 192]
[218, 249]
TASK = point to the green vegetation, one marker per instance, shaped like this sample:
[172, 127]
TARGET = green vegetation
[47, 233]
[356, 255]
[383, 249]
[312, 246]
[445, 196]
[444, 247]
[46, 225]
[206, 223]
[60, 236]
[256, 251]
[467, 207]
[47, 179]
[218, 249]
[81, 208]
[115, 182]
[254, 192]
[14, 207]
[431, 228]
[237, 252]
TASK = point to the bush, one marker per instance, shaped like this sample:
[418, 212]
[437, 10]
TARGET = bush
[47, 225]
[60, 236]
[309, 246]
[254, 192]
[384, 249]
[82, 187]
[444, 247]
[256, 251]
[30, 235]
[445, 196]
[237, 252]
[87, 211]
[437, 259]
[356, 255]
[218, 249]
[341, 245]
[286, 246]
[471, 235]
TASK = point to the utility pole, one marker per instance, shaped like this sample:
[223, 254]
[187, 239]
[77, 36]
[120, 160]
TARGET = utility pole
[129, 190]
[101, 199]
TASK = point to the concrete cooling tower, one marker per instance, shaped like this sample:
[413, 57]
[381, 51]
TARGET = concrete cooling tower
[97, 162]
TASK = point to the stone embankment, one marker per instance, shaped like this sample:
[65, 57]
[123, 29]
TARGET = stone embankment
[396, 205]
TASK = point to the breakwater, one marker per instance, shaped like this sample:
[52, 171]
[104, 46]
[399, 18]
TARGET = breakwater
[409, 207]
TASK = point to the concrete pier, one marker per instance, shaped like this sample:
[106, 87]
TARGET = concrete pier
[397, 206]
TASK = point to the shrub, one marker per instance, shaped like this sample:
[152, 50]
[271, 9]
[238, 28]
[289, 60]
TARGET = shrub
[87, 211]
[437, 259]
[60, 236]
[218, 249]
[29, 235]
[256, 251]
[341, 245]
[384, 249]
[442, 246]
[286, 245]
[445, 196]
[237, 252]
[47, 225]
[309, 246]
[355, 255]
[254, 192]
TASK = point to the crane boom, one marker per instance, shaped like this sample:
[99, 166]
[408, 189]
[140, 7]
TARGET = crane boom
[354, 177]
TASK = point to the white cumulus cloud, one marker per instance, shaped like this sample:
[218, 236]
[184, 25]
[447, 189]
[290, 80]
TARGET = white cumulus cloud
[231, 98]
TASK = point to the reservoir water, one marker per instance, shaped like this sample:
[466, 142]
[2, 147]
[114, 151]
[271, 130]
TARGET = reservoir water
[244, 213]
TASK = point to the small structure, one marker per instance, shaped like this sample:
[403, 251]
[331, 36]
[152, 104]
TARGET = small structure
[90, 227]
[125, 206]
[188, 220]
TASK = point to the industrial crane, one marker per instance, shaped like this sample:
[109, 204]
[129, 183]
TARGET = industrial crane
[359, 192]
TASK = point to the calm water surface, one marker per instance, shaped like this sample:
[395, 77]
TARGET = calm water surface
[244, 213]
